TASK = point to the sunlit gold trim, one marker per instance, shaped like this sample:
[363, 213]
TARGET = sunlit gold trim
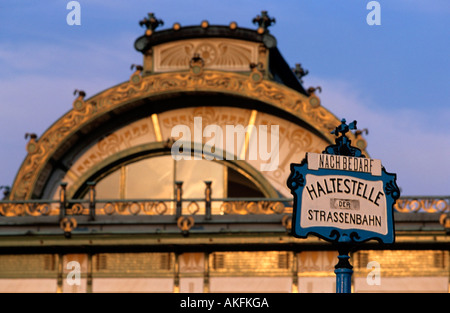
[248, 134]
[156, 127]
[225, 181]
[176, 280]
[59, 283]
[72, 175]
[123, 182]
[206, 273]
[295, 273]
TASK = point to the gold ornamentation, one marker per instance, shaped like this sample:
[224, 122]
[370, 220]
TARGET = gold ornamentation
[136, 77]
[42, 209]
[160, 208]
[62, 131]
[207, 52]
[185, 223]
[110, 208]
[68, 224]
[256, 75]
[245, 207]
[31, 145]
[314, 101]
[77, 209]
[78, 103]
[444, 220]
[110, 145]
[224, 54]
[27, 209]
[176, 26]
[193, 208]
[204, 24]
[196, 64]
[134, 208]
[429, 205]
[286, 221]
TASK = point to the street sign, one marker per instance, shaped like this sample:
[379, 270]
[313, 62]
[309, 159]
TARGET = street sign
[342, 196]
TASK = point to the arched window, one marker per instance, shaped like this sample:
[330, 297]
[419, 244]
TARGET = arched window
[155, 177]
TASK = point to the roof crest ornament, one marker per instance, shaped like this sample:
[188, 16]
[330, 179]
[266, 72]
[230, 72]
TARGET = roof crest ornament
[343, 144]
[151, 23]
[264, 21]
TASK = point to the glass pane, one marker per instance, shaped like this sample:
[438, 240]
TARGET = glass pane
[193, 173]
[240, 186]
[108, 187]
[150, 179]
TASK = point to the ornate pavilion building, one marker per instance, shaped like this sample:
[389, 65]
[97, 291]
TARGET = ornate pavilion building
[102, 186]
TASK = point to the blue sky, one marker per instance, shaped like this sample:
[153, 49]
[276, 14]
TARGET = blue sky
[392, 78]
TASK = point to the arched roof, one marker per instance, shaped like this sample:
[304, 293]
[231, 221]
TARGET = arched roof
[262, 88]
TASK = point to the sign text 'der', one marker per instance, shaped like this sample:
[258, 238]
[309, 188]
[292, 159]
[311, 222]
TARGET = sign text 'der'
[344, 163]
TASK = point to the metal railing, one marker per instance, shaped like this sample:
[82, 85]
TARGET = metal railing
[178, 206]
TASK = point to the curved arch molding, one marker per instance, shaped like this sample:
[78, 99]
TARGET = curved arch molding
[36, 168]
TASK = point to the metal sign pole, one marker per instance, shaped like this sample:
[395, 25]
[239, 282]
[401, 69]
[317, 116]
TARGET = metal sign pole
[343, 271]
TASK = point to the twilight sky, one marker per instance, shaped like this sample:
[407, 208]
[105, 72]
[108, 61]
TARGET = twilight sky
[392, 78]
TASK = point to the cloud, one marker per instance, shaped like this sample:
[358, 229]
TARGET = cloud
[407, 141]
[68, 58]
[37, 88]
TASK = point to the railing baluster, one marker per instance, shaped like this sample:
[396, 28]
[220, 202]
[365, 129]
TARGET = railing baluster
[62, 200]
[91, 200]
[208, 192]
[179, 194]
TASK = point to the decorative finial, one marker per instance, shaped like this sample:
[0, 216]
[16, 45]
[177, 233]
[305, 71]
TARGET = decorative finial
[257, 72]
[6, 191]
[312, 90]
[32, 136]
[343, 144]
[136, 76]
[176, 26]
[344, 128]
[81, 93]
[264, 21]
[204, 24]
[360, 132]
[300, 72]
[79, 104]
[151, 23]
[196, 64]
[137, 67]
[32, 143]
